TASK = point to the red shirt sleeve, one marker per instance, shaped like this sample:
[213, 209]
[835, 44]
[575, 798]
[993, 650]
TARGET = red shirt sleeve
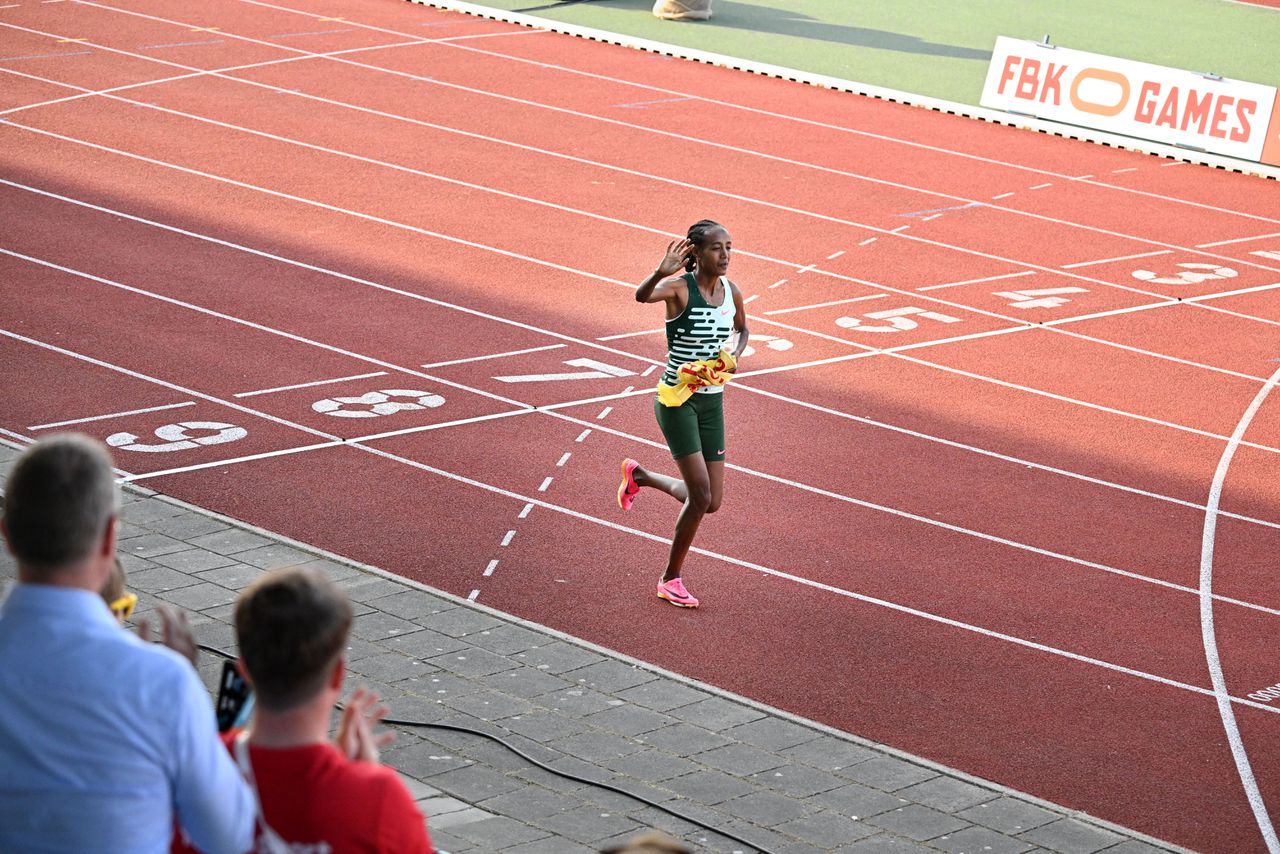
[402, 828]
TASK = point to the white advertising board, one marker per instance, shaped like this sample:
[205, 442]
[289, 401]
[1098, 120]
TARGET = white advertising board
[1138, 99]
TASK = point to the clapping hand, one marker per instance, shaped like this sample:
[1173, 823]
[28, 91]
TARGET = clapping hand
[355, 731]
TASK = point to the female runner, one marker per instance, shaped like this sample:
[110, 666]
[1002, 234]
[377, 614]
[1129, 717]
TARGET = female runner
[704, 309]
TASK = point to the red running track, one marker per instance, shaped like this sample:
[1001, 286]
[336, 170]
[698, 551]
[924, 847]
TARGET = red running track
[974, 534]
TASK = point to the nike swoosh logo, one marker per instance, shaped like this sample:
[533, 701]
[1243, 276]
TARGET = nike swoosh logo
[721, 451]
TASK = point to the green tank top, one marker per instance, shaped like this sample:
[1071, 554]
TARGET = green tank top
[699, 332]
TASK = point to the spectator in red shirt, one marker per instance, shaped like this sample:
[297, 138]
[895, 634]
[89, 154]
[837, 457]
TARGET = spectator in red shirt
[315, 795]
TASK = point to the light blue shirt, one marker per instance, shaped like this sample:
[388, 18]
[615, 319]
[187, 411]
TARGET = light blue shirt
[104, 738]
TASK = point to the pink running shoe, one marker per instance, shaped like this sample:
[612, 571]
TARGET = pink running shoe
[628, 489]
[673, 591]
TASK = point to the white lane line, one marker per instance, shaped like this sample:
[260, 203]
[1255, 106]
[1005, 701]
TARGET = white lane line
[604, 412]
[1001, 196]
[172, 386]
[811, 122]
[583, 435]
[133, 478]
[805, 269]
[524, 513]
[868, 241]
[1237, 240]
[589, 214]
[545, 483]
[471, 597]
[817, 585]
[778, 284]
[1130, 169]
[26, 440]
[750, 299]
[824, 304]
[899, 229]
[560, 463]
[977, 281]
[933, 216]
[262, 328]
[520, 32]
[1222, 310]
[1207, 632]
[1081, 177]
[302, 265]
[985, 452]
[834, 255]
[411, 295]
[488, 570]
[650, 129]
[215, 72]
[1175, 163]
[652, 330]
[506, 541]
[493, 356]
[649, 370]
[1079, 264]
[947, 526]
[1065, 399]
[111, 415]
[1041, 186]
[311, 384]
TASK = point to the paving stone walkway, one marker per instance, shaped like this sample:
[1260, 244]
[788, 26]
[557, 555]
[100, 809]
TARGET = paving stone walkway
[779, 782]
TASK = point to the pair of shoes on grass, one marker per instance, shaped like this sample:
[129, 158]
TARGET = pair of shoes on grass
[673, 591]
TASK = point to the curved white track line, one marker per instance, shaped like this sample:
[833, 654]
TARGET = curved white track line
[1207, 634]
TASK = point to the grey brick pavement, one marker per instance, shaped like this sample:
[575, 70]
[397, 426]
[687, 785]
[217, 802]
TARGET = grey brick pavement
[762, 775]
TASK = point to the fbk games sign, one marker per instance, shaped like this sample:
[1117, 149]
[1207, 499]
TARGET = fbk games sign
[1136, 99]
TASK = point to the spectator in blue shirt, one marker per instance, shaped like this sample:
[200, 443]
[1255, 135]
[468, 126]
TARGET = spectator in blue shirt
[104, 739]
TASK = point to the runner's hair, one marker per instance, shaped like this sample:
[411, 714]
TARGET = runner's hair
[697, 234]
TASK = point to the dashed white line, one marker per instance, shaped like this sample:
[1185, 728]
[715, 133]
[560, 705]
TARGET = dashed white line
[778, 283]
[545, 484]
[629, 389]
[471, 597]
[1082, 178]
[604, 412]
[562, 461]
[806, 268]
[1001, 196]
[650, 331]
[1041, 186]
[1120, 258]
[927, 218]
[488, 570]
[649, 370]
[751, 298]
[834, 255]
[111, 415]
[582, 436]
[899, 229]
[310, 384]
[525, 512]
[506, 541]
[868, 241]
[1130, 169]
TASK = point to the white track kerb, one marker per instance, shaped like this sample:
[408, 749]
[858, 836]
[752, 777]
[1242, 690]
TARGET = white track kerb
[1206, 622]
[824, 81]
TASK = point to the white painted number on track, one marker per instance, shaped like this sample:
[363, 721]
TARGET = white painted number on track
[377, 403]
[1189, 274]
[897, 317]
[771, 342]
[1042, 298]
[594, 371]
[176, 437]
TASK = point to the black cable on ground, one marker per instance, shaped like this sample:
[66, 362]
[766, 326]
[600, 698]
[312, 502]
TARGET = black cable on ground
[545, 767]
